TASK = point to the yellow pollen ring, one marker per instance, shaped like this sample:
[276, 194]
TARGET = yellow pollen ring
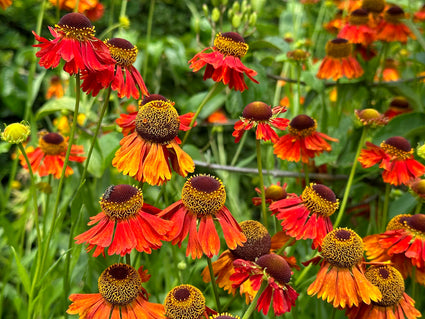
[124, 57]
[122, 210]
[50, 148]
[396, 152]
[193, 306]
[397, 222]
[80, 34]
[228, 46]
[338, 50]
[317, 204]
[389, 282]
[304, 132]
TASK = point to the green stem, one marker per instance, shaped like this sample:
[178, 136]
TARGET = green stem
[128, 259]
[263, 192]
[384, 214]
[318, 26]
[148, 37]
[302, 275]
[350, 178]
[238, 150]
[253, 304]
[282, 249]
[333, 313]
[297, 104]
[419, 206]
[214, 284]
[46, 204]
[306, 174]
[200, 107]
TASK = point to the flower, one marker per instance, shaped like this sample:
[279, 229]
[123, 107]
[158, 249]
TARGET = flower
[357, 30]
[341, 279]
[16, 133]
[203, 198]
[259, 114]
[185, 301]
[125, 223]
[339, 61]
[224, 315]
[371, 117]
[307, 216]
[390, 72]
[336, 23]
[150, 142]
[275, 271]
[420, 14]
[395, 303]
[74, 42]
[391, 28]
[56, 88]
[303, 141]
[223, 61]
[121, 75]
[4, 4]
[49, 156]
[87, 7]
[398, 105]
[120, 291]
[395, 156]
[218, 117]
[273, 193]
[298, 55]
[417, 187]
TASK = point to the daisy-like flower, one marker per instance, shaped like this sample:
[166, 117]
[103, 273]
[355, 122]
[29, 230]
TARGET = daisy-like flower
[55, 88]
[398, 105]
[336, 23]
[125, 223]
[224, 315]
[341, 279]
[185, 301]
[395, 156]
[273, 193]
[75, 43]
[339, 61]
[273, 269]
[395, 302]
[263, 117]
[121, 295]
[303, 141]
[123, 77]
[389, 71]
[49, 156]
[203, 198]
[371, 117]
[4, 4]
[357, 30]
[419, 15]
[223, 61]
[150, 142]
[392, 28]
[307, 216]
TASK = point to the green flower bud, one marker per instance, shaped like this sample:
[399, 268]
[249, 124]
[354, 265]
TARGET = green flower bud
[16, 133]
[224, 2]
[252, 19]
[205, 9]
[236, 20]
[215, 3]
[236, 6]
[215, 14]
[421, 151]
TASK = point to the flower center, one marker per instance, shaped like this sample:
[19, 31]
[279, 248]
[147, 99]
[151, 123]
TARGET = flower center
[119, 284]
[298, 55]
[52, 143]
[184, 302]
[398, 147]
[369, 114]
[203, 195]
[374, 6]
[224, 316]
[122, 51]
[257, 111]
[276, 266]
[258, 241]
[157, 121]
[416, 223]
[275, 192]
[342, 248]
[121, 201]
[302, 125]
[338, 48]
[358, 17]
[419, 187]
[75, 26]
[389, 281]
[320, 199]
[231, 43]
[400, 103]
[394, 15]
[397, 222]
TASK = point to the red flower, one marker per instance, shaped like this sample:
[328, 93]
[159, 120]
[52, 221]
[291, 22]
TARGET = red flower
[223, 61]
[49, 156]
[398, 105]
[121, 75]
[202, 202]
[357, 30]
[391, 28]
[259, 114]
[275, 270]
[150, 142]
[395, 156]
[125, 223]
[303, 141]
[74, 42]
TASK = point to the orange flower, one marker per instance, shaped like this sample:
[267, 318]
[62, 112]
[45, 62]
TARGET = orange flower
[395, 156]
[223, 62]
[391, 28]
[420, 14]
[336, 23]
[55, 89]
[341, 280]
[121, 295]
[92, 9]
[273, 193]
[389, 72]
[150, 142]
[217, 117]
[203, 198]
[395, 303]
[49, 156]
[125, 223]
[259, 114]
[357, 30]
[4, 4]
[307, 216]
[398, 105]
[303, 141]
[339, 61]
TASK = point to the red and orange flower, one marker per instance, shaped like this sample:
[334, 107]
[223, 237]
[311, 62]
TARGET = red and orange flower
[398, 105]
[391, 28]
[55, 88]
[92, 9]
[395, 156]
[74, 42]
[303, 141]
[202, 201]
[121, 295]
[263, 117]
[272, 193]
[357, 30]
[150, 142]
[49, 156]
[223, 61]
[125, 223]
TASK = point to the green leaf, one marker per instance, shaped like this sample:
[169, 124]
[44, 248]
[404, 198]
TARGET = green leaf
[406, 125]
[55, 105]
[22, 272]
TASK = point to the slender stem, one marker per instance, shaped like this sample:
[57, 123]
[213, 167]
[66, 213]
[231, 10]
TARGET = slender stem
[238, 150]
[214, 284]
[302, 274]
[200, 107]
[297, 104]
[148, 37]
[288, 243]
[384, 214]
[333, 313]
[306, 174]
[128, 259]
[350, 178]
[46, 204]
[253, 304]
[263, 192]
[419, 206]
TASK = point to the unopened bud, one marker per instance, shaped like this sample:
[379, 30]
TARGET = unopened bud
[16, 133]
[421, 151]
[215, 14]
[205, 9]
[236, 7]
[236, 20]
[124, 22]
[252, 19]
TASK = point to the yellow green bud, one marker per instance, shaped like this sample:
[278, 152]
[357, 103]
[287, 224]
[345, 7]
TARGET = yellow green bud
[252, 19]
[215, 14]
[421, 151]
[16, 133]
[236, 20]
[124, 22]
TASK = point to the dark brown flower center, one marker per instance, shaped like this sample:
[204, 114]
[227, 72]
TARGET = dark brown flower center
[384, 273]
[338, 48]
[75, 20]
[121, 43]
[122, 51]
[342, 234]
[205, 183]
[399, 142]
[400, 103]
[121, 201]
[257, 111]
[231, 43]
[53, 138]
[302, 122]
[276, 266]
[394, 14]
[324, 192]
[75, 26]
[389, 282]
[417, 222]
[182, 294]
[358, 17]
[375, 6]
[398, 222]
[184, 302]
[119, 193]
[152, 97]
[52, 143]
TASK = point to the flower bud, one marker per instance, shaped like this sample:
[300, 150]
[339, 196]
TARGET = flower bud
[421, 151]
[252, 19]
[16, 133]
[124, 22]
[236, 20]
[236, 6]
[215, 14]
[205, 9]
